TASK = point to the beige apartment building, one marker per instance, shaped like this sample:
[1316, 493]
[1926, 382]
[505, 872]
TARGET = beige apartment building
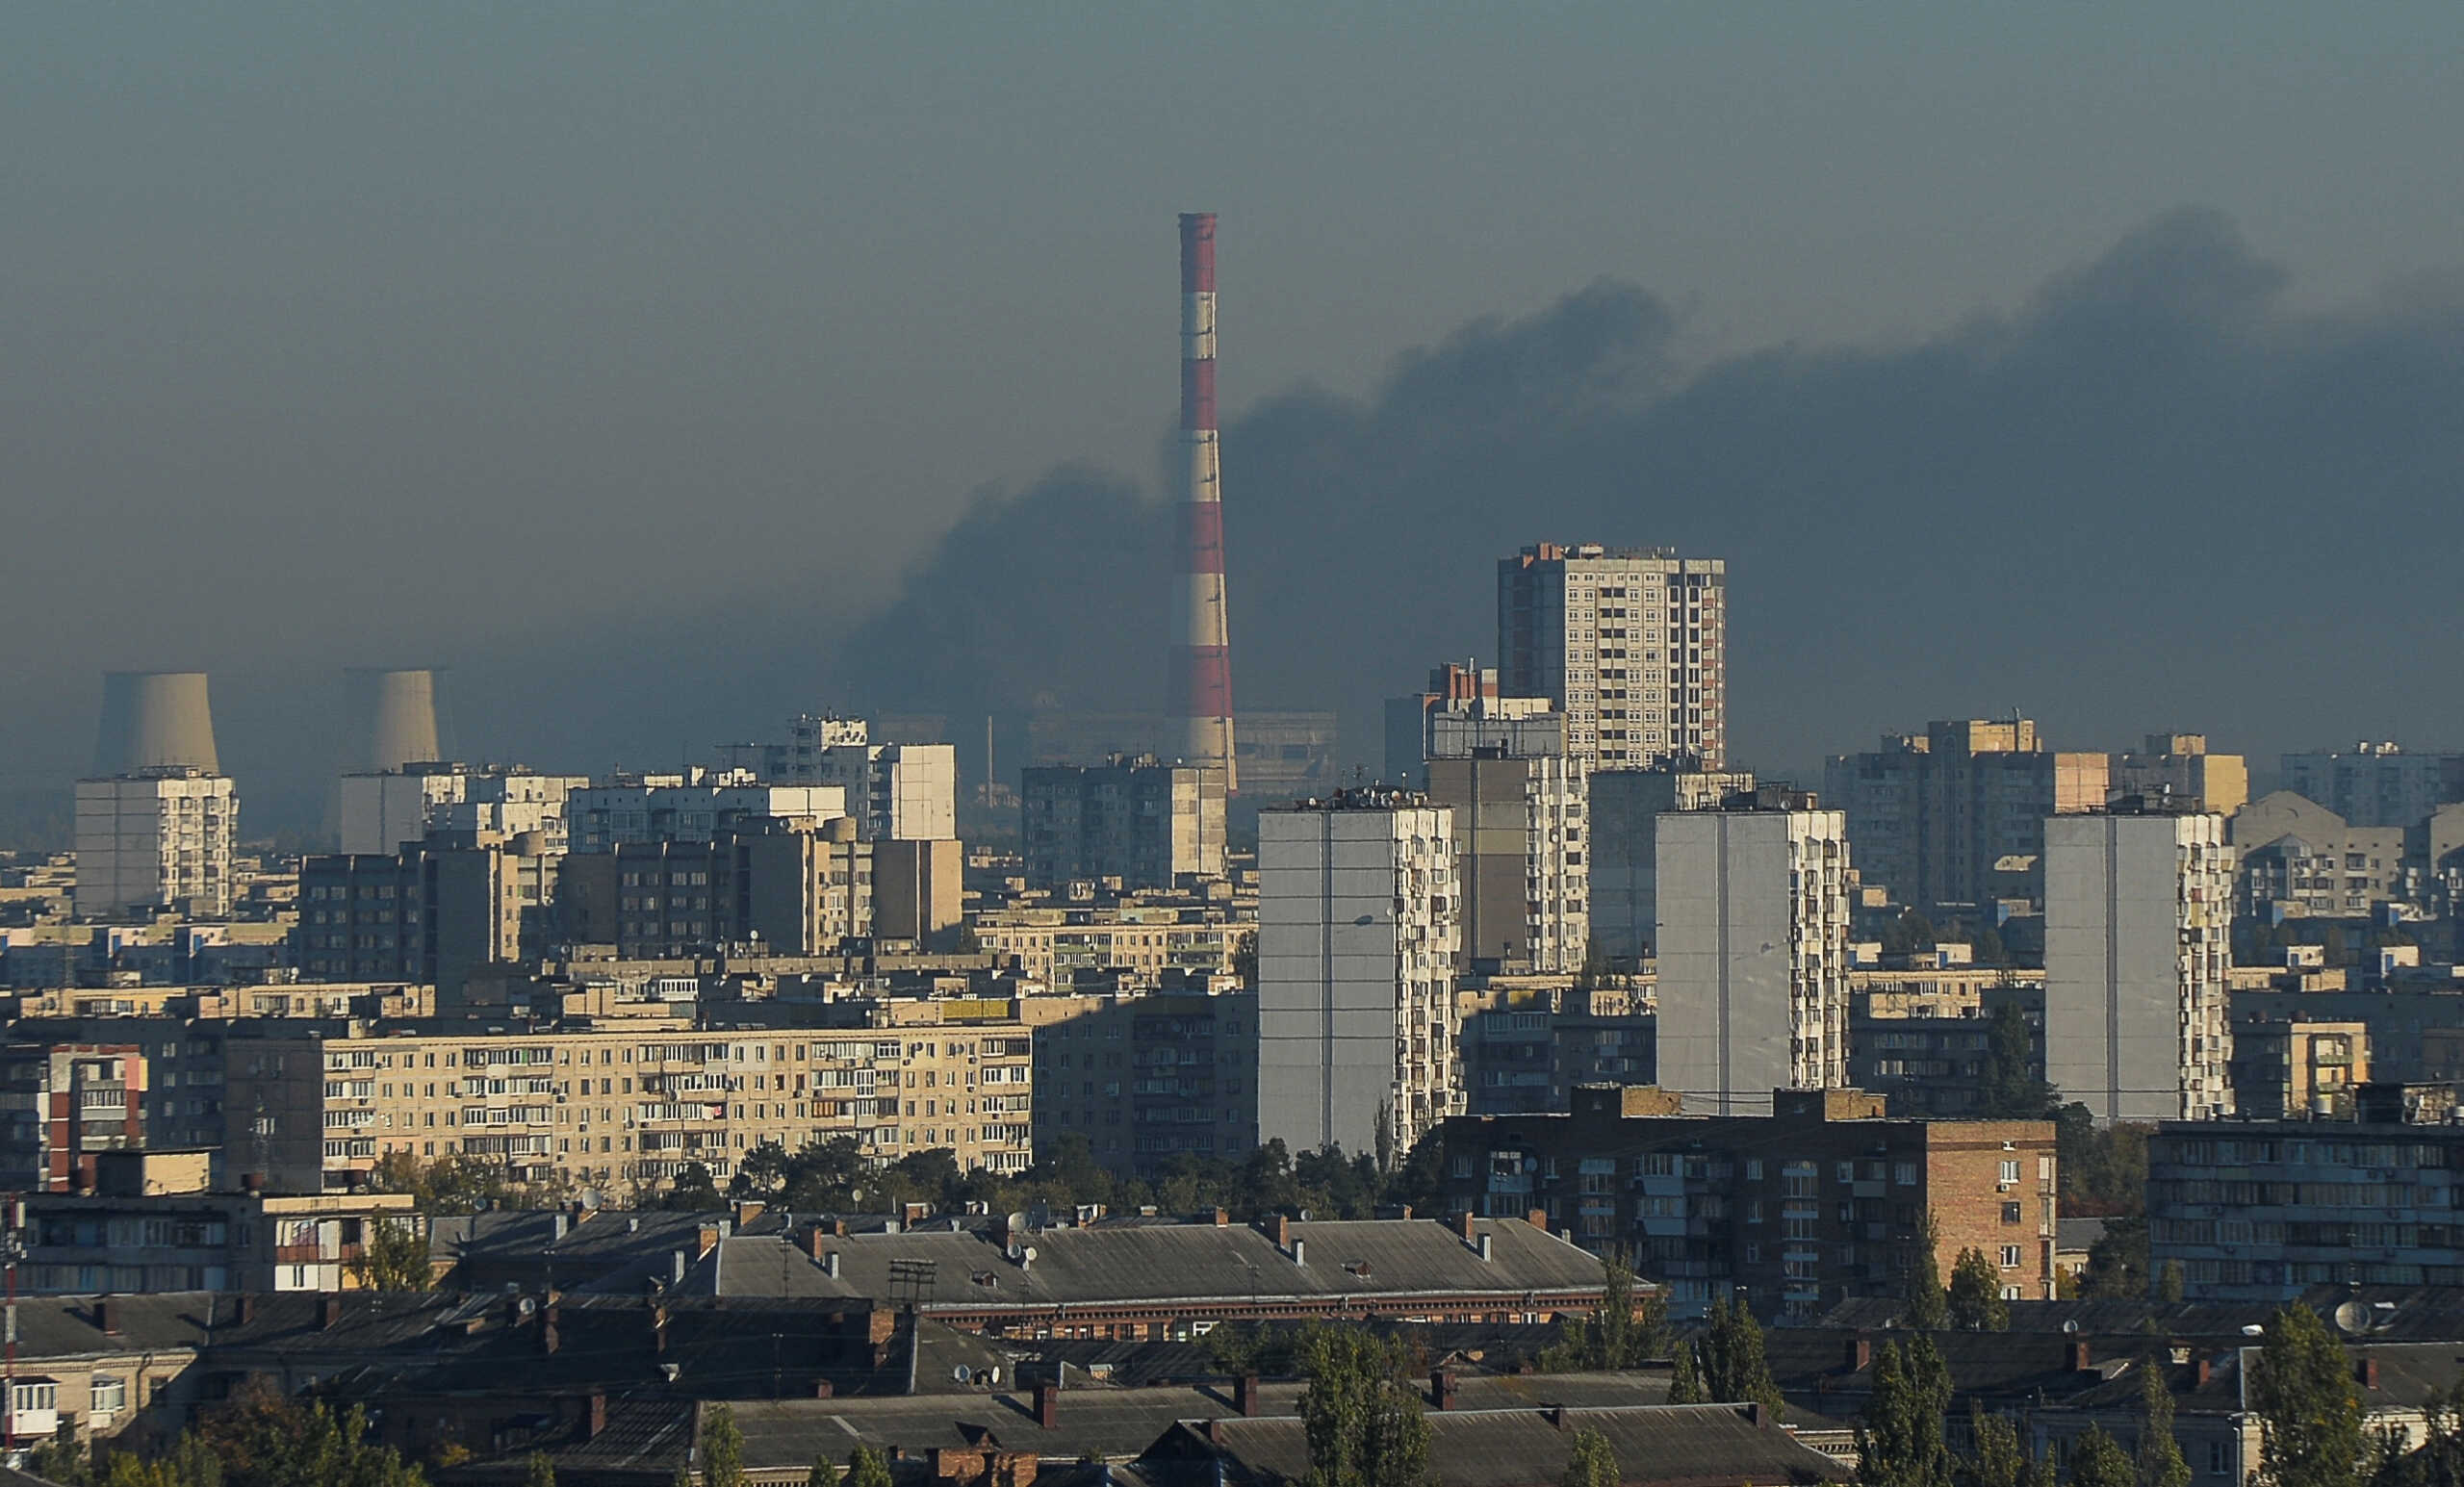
[624, 1109]
[1631, 644]
[1956, 814]
[1048, 944]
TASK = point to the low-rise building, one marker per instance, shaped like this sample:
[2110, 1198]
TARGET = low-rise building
[131, 1241]
[2263, 1210]
[1821, 1200]
[2298, 1069]
[1051, 945]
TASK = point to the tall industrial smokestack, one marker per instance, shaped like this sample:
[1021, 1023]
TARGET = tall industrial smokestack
[155, 720]
[1201, 639]
[394, 719]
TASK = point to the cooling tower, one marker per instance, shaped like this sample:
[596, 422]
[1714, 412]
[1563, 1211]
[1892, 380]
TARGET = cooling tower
[394, 719]
[1201, 648]
[155, 720]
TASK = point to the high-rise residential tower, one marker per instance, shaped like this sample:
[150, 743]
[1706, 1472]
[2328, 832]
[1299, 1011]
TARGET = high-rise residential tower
[1631, 644]
[1201, 638]
[2138, 957]
[1752, 937]
[1358, 939]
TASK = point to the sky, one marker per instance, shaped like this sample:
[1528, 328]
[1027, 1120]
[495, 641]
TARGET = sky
[640, 364]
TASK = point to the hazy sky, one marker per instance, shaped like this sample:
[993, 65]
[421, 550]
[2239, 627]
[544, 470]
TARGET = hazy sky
[336, 334]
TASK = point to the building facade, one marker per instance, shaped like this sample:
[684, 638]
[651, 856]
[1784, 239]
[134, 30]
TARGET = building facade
[690, 806]
[1956, 814]
[383, 810]
[2375, 784]
[1359, 939]
[1143, 1080]
[1149, 823]
[158, 838]
[66, 1103]
[622, 1111]
[1631, 644]
[2138, 952]
[1753, 939]
[796, 886]
[432, 914]
[1623, 851]
[1819, 1201]
[1149, 942]
[2178, 768]
[1520, 842]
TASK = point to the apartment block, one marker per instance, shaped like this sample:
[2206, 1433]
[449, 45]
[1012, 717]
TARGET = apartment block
[432, 913]
[689, 807]
[1146, 1079]
[1624, 851]
[1752, 937]
[794, 886]
[380, 812]
[2375, 784]
[1520, 841]
[2138, 952]
[896, 792]
[1529, 1040]
[2297, 859]
[127, 1238]
[2262, 1211]
[1923, 1039]
[1359, 939]
[2178, 768]
[1631, 644]
[1956, 814]
[919, 890]
[621, 1111]
[1819, 1201]
[68, 1103]
[1149, 942]
[1149, 823]
[2300, 1069]
[160, 839]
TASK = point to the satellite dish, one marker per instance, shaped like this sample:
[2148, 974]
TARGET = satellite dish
[1018, 1222]
[2253, 1330]
[992, 1375]
[2352, 1319]
[2072, 1326]
[1028, 1254]
[962, 1374]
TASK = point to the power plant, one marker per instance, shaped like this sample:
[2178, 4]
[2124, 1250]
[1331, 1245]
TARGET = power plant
[1201, 638]
[392, 716]
[155, 720]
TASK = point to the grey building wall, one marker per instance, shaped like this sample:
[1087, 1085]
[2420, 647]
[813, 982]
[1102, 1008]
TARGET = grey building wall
[1626, 804]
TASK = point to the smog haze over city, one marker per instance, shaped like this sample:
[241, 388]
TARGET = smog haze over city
[663, 372]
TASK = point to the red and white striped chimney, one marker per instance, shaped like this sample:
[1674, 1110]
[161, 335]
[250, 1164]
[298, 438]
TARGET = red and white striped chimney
[1202, 640]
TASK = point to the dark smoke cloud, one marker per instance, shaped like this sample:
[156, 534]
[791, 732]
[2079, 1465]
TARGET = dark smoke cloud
[2156, 496]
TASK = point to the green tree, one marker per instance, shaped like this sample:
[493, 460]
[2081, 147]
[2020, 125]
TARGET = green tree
[2097, 1460]
[1363, 1427]
[824, 1472]
[2309, 1413]
[1925, 1310]
[394, 1256]
[1626, 1333]
[722, 1449]
[2439, 1461]
[2160, 1455]
[2118, 1261]
[1976, 1302]
[2168, 1283]
[692, 1191]
[2103, 1168]
[1593, 1461]
[1899, 1442]
[538, 1471]
[866, 1468]
[263, 1439]
[2014, 1086]
[1734, 1370]
[2001, 1459]
[1685, 1378]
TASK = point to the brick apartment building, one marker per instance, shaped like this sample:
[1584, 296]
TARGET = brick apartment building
[1816, 1203]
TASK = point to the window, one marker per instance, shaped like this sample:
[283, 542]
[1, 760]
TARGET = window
[111, 1394]
[2010, 1257]
[2010, 1171]
[2219, 1458]
[1904, 1173]
[2009, 1213]
[29, 1397]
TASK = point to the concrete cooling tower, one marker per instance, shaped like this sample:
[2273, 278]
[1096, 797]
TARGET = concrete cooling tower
[393, 719]
[154, 719]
